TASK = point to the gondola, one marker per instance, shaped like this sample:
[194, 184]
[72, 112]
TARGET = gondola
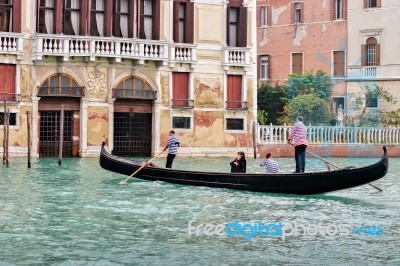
[293, 183]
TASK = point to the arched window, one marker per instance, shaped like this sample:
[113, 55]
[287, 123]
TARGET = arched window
[134, 88]
[60, 85]
[371, 52]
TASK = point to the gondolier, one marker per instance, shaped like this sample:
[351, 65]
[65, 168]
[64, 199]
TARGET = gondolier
[172, 146]
[298, 133]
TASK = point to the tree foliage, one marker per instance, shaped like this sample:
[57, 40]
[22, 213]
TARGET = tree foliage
[314, 109]
[272, 99]
[307, 83]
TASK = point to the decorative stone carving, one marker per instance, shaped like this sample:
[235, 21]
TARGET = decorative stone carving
[97, 84]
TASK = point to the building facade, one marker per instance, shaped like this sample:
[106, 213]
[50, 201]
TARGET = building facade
[126, 72]
[300, 36]
[373, 55]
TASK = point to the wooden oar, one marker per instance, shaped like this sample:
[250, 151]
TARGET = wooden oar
[123, 182]
[329, 163]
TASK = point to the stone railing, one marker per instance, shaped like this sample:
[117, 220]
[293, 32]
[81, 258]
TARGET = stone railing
[92, 47]
[236, 56]
[183, 53]
[373, 72]
[11, 43]
[270, 134]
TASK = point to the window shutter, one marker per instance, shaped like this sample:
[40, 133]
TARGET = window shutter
[108, 13]
[58, 16]
[363, 55]
[242, 35]
[292, 13]
[190, 22]
[344, 9]
[131, 18]
[269, 67]
[156, 20]
[16, 15]
[302, 12]
[378, 3]
[378, 54]
[269, 14]
[332, 9]
[176, 21]
[259, 67]
[83, 16]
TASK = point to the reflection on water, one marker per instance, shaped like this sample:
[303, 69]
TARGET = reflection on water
[78, 214]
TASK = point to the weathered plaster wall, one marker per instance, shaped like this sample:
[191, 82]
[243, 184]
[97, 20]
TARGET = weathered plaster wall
[97, 126]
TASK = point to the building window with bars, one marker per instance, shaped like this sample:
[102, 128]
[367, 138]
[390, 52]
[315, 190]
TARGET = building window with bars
[338, 9]
[179, 122]
[264, 67]
[12, 121]
[370, 52]
[234, 124]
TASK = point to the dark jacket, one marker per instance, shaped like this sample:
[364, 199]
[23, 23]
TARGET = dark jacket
[241, 168]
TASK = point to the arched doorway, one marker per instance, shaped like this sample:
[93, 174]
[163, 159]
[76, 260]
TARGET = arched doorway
[59, 92]
[133, 117]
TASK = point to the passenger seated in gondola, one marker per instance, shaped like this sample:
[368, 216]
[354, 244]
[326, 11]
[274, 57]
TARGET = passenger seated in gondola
[239, 164]
[271, 166]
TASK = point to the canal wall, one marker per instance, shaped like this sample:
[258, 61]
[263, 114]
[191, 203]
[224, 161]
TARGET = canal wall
[326, 150]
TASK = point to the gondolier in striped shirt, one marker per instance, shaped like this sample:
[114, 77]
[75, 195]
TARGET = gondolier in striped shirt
[298, 133]
[172, 146]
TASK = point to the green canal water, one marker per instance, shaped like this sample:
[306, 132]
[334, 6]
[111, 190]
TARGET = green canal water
[77, 214]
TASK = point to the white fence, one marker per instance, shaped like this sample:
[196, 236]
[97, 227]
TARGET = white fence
[270, 134]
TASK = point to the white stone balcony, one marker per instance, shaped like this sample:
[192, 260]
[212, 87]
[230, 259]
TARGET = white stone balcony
[12, 43]
[385, 72]
[236, 56]
[92, 47]
[183, 53]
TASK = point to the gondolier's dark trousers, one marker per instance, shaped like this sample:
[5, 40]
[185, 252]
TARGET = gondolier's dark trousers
[170, 160]
[300, 157]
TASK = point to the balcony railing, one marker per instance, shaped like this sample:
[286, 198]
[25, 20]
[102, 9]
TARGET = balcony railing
[236, 56]
[236, 105]
[374, 72]
[182, 103]
[331, 135]
[134, 94]
[9, 97]
[61, 91]
[11, 43]
[183, 53]
[92, 47]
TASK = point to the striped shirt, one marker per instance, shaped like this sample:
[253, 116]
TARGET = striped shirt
[271, 166]
[173, 144]
[298, 133]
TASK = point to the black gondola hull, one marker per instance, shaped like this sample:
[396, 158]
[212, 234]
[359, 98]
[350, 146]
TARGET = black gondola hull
[296, 183]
